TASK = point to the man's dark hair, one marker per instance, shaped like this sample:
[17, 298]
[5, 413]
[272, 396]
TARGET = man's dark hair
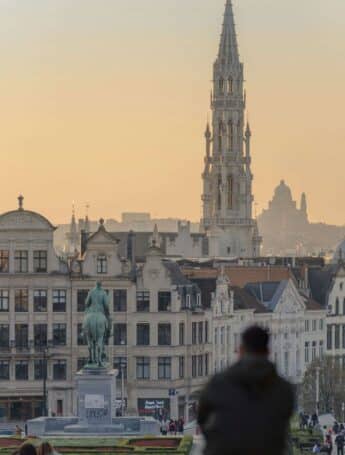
[255, 340]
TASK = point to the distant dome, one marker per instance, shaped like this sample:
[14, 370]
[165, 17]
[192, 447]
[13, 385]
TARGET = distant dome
[282, 193]
[22, 220]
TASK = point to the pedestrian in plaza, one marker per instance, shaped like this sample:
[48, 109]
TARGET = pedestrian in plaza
[180, 425]
[164, 428]
[172, 427]
[339, 442]
[317, 448]
[252, 387]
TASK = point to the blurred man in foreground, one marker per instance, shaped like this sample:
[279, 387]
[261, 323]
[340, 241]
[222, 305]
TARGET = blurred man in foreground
[246, 409]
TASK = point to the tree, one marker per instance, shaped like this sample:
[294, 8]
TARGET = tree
[331, 387]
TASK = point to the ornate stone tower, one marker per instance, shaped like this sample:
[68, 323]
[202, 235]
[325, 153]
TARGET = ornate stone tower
[227, 178]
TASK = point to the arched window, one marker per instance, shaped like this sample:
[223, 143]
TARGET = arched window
[221, 85]
[220, 135]
[230, 192]
[230, 85]
[219, 190]
[336, 306]
[230, 135]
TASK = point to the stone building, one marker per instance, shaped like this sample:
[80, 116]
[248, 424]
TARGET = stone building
[160, 339]
[296, 322]
[227, 177]
[35, 316]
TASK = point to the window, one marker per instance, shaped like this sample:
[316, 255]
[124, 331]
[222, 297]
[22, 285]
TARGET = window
[4, 370]
[206, 364]
[22, 335]
[206, 332]
[143, 301]
[120, 363]
[120, 300]
[221, 85]
[4, 300]
[341, 285]
[222, 336]
[40, 261]
[329, 337]
[40, 335]
[40, 369]
[164, 334]
[321, 349]
[40, 300]
[313, 351]
[4, 336]
[230, 85]
[81, 299]
[306, 352]
[143, 367]
[82, 361]
[181, 334]
[102, 264]
[4, 261]
[200, 365]
[21, 300]
[336, 311]
[306, 325]
[21, 261]
[200, 332]
[194, 371]
[344, 306]
[120, 334]
[343, 338]
[164, 301]
[321, 324]
[60, 370]
[194, 331]
[59, 300]
[59, 334]
[22, 370]
[143, 334]
[314, 325]
[337, 336]
[164, 367]
[181, 363]
[80, 336]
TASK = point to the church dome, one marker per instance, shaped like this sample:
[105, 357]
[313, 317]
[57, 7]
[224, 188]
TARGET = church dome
[282, 193]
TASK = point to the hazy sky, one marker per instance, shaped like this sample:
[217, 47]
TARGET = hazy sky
[105, 101]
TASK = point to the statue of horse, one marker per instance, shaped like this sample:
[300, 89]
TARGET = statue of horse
[96, 324]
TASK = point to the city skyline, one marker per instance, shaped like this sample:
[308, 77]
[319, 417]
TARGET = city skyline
[105, 100]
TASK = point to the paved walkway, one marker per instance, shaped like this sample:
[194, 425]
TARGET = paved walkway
[198, 445]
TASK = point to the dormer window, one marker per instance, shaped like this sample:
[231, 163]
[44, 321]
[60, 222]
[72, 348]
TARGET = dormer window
[102, 264]
[198, 300]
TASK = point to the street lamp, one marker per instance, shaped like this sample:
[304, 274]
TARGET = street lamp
[45, 350]
[317, 389]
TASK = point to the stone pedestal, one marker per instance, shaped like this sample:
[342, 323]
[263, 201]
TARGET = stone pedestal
[96, 396]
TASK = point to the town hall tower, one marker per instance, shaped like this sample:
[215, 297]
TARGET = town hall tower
[227, 177]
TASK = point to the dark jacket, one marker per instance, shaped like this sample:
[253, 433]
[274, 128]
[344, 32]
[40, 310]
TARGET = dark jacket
[247, 407]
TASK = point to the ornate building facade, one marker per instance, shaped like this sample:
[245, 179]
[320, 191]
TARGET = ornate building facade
[227, 177]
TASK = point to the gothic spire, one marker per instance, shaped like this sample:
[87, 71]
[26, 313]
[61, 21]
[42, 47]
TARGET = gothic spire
[228, 48]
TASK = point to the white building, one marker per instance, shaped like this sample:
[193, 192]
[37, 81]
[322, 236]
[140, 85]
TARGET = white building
[160, 340]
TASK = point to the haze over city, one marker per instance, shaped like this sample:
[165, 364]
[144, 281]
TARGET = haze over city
[106, 102]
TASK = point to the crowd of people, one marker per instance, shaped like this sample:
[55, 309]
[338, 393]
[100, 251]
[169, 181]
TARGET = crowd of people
[45, 448]
[172, 427]
[333, 436]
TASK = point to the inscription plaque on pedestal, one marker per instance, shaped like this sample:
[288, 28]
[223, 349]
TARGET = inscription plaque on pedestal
[96, 392]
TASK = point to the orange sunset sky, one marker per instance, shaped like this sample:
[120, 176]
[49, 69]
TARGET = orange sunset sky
[105, 102]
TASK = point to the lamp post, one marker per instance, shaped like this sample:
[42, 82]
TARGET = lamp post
[45, 350]
[317, 390]
[122, 389]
